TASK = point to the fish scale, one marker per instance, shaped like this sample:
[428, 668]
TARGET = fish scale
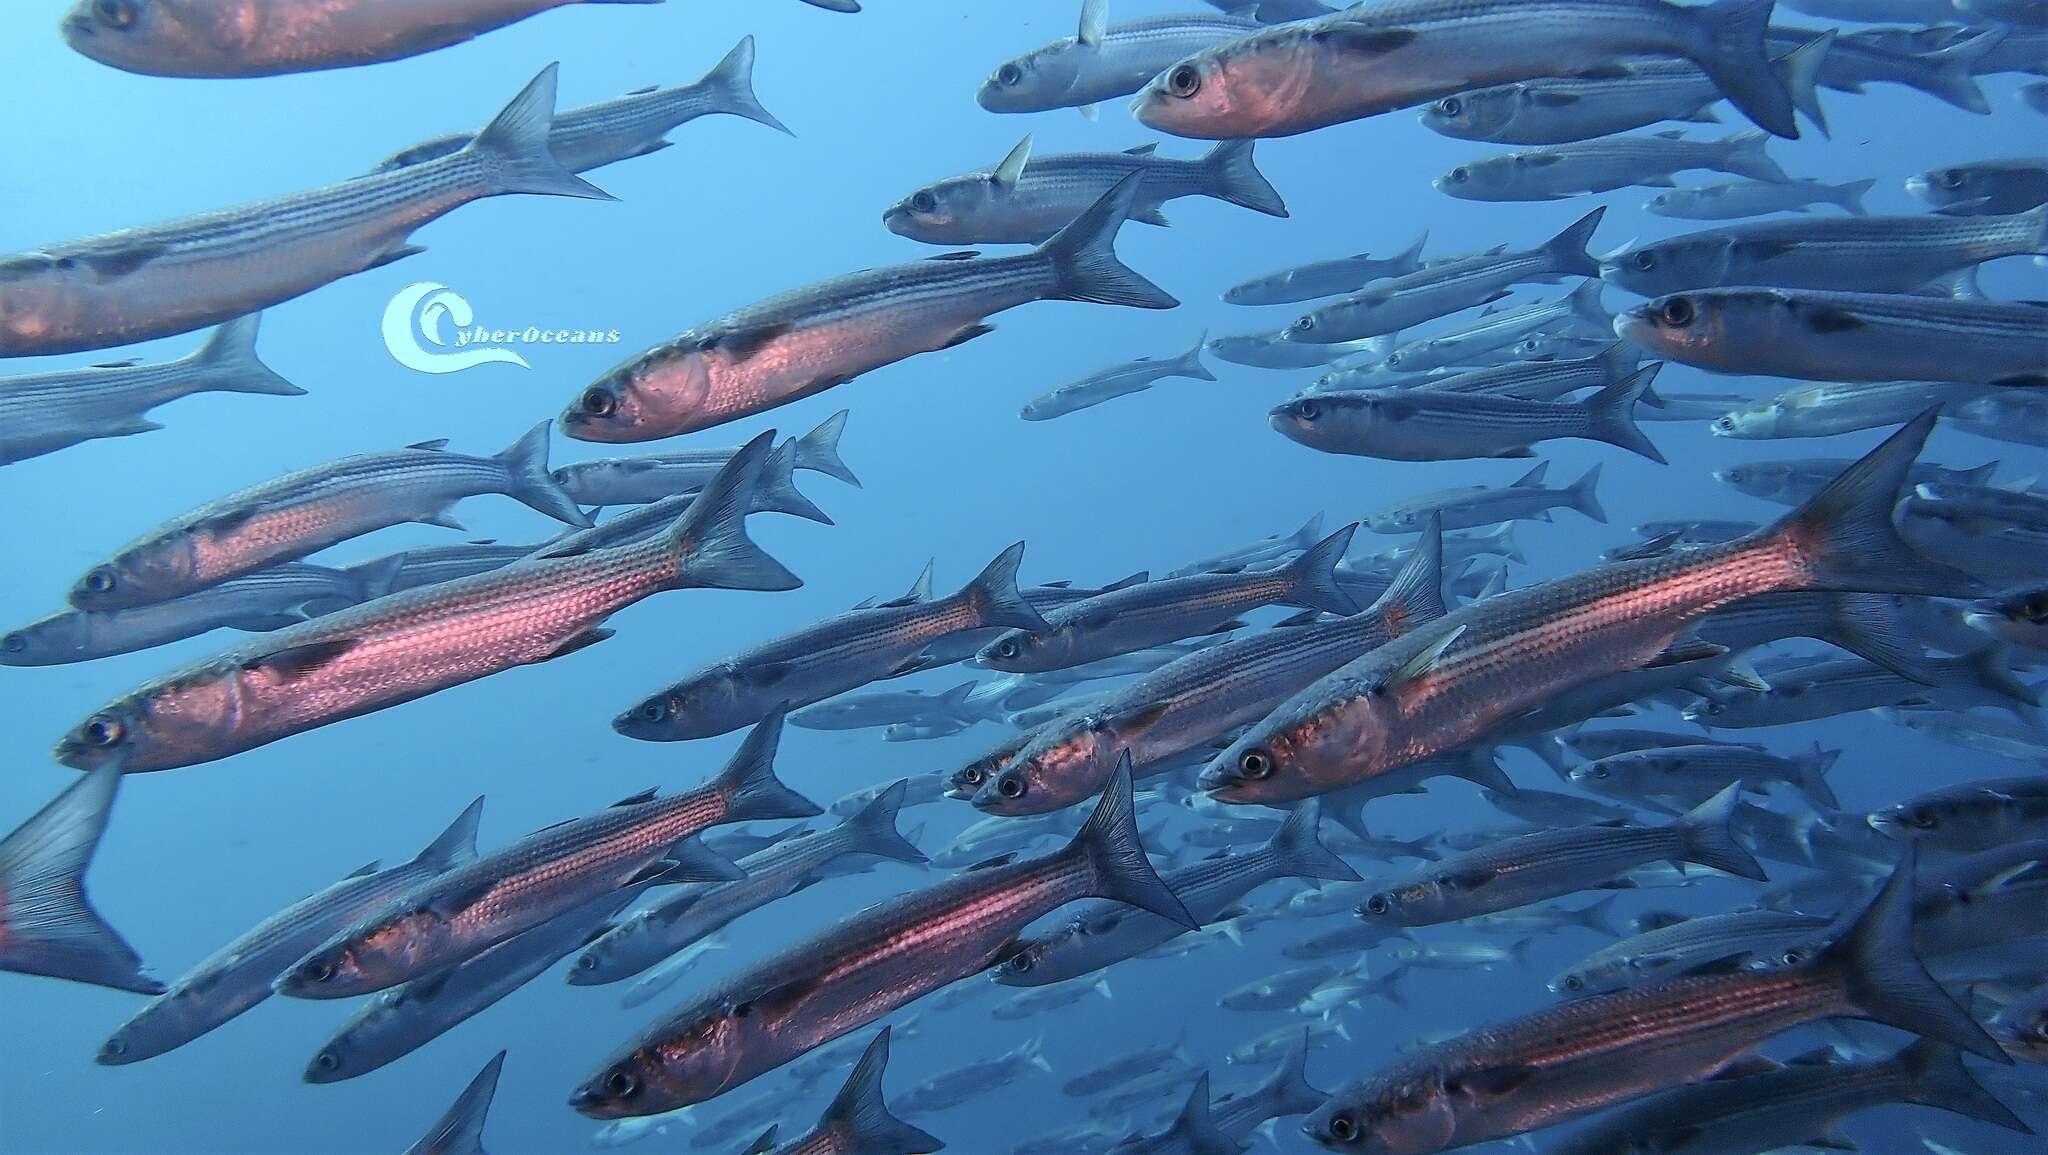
[1705, 939]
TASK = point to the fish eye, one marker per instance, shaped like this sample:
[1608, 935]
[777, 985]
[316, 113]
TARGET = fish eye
[14, 643]
[1308, 410]
[1255, 764]
[114, 1047]
[1951, 178]
[599, 403]
[1305, 324]
[1574, 983]
[1676, 312]
[1450, 106]
[2034, 608]
[1920, 819]
[1184, 81]
[1011, 787]
[1644, 259]
[924, 202]
[1342, 1128]
[1600, 772]
[2041, 1029]
[1009, 75]
[103, 730]
[654, 710]
[1022, 962]
[1460, 175]
[101, 580]
[320, 972]
[587, 963]
[742, 1010]
[621, 1083]
[118, 13]
[327, 1061]
[1377, 904]
[1791, 958]
[973, 776]
[1006, 649]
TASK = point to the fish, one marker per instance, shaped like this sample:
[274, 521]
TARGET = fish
[1039, 1000]
[1999, 737]
[1475, 507]
[42, 413]
[652, 476]
[1829, 410]
[1266, 551]
[1509, 1078]
[1560, 171]
[1996, 537]
[1528, 869]
[1564, 110]
[48, 925]
[1827, 689]
[1102, 934]
[1193, 1132]
[1947, 73]
[671, 970]
[1435, 291]
[1192, 701]
[224, 39]
[1689, 775]
[2016, 619]
[1884, 254]
[1439, 425]
[460, 1131]
[1125, 1068]
[1454, 679]
[303, 512]
[636, 124]
[839, 654]
[1103, 61]
[452, 918]
[1459, 955]
[1994, 187]
[268, 599]
[1971, 817]
[1326, 278]
[411, 644]
[1276, 991]
[1025, 200]
[162, 280]
[1794, 480]
[1356, 63]
[395, 1022]
[1496, 331]
[853, 973]
[2021, 1026]
[675, 923]
[1755, 198]
[1170, 609]
[1546, 380]
[858, 1120]
[803, 342]
[1844, 336]
[976, 1078]
[1116, 381]
[237, 977]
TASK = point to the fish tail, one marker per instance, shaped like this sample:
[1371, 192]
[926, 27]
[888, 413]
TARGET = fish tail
[1195, 1129]
[1613, 413]
[1990, 669]
[513, 148]
[47, 925]
[230, 353]
[689, 860]
[1411, 257]
[995, 599]
[1868, 626]
[1744, 154]
[1704, 837]
[1314, 575]
[1884, 980]
[1287, 1090]
[1734, 56]
[1189, 364]
[1083, 256]
[709, 543]
[1951, 74]
[1478, 765]
[1298, 854]
[456, 845]
[873, 830]
[1935, 1077]
[1237, 179]
[462, 1128]
[777, 492]
[1417, 594]
[731, 85]
[531, 482]
[1584, 496]
[859, 1113]
[1813, 776]
[818, 450]
[1845, 537]
[1110, 844]
[1799, 71]
[752, 791]
[1850, 196]
[1585, 305]
[1567, 250]
[764, 1142]
[1599, 917]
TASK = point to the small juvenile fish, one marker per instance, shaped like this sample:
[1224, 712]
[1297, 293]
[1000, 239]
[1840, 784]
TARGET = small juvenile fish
[651, 477]
[1828, 689]
[1755, 198]
[172, 278]
[1839, 336]
[1103, 61]
[1839, 407]
[1118, 381]
[636, 124]
[243, 38]
[809, 340]
[1437, 425]
[47, 924]
[1595, 166]
[1688, 775]
[975, 1078]
[45, 412]
[238, 976]
[1025, 200]
[1325, 278]
[1474, 507]
[301, 513]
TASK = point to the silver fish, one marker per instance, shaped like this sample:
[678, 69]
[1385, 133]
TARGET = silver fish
[1440, 425]
[976, 1078]
[1326, 278]
[1993, 186]
[1723, 202]
[1842, 407]
[1827, 689]
[1792, 481]
[1973, 816]
[1566, 170]
[47, 923]
[789, 347]
[46, 412]
[1474, 507]
[1687, 775]
[1117, 381]
[1103, 61]
[651, 477]
[172, 278]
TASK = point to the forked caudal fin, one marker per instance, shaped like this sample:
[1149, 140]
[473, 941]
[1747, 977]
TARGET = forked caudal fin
[1732, 51]
[1083, 256]
[709, 543]
[1297, 853]
[461, 1130]
[1704, 837]
[229, 358]
[47, 925]
[995, 599]
[1110, 844]
[513, 149]
[860, 1113]
[731, 86]
[752, 791]
[1314, 575]
[530, 481]
[873, 830]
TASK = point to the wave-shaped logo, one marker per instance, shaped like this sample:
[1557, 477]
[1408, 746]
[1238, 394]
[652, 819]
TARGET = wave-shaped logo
[418, 313]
